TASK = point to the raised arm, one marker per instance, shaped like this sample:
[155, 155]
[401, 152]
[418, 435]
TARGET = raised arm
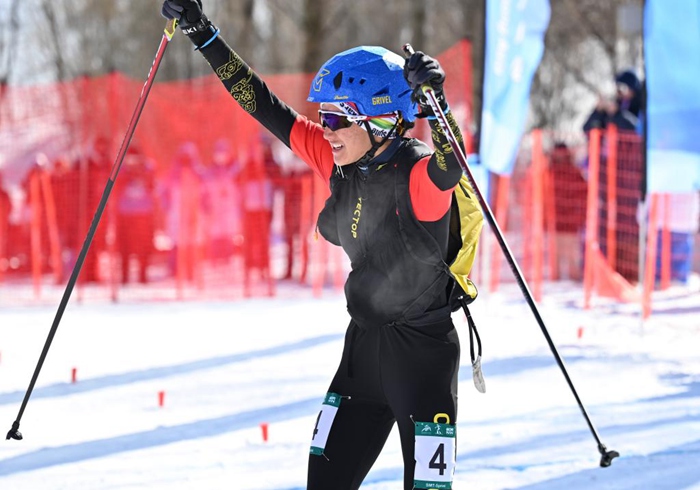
[433, 178]
[244, 85]
[444, 169]
[248, 89]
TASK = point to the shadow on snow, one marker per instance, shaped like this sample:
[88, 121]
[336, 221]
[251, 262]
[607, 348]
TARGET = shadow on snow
[112, 380]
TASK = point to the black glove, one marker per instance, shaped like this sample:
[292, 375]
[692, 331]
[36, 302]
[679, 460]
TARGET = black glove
[419, 69]
[191, 19]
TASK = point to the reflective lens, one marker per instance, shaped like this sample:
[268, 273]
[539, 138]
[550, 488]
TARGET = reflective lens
[334, 120]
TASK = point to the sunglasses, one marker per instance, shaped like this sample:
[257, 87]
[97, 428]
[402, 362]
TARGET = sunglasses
[336, 120]
[339, 120]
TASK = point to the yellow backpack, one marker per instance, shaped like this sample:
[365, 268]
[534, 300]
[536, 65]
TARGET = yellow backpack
[466, 222]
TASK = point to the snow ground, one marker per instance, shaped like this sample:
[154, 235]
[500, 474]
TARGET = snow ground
[227, 367]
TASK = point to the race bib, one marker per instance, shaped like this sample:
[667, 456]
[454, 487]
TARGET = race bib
[435, 455]
[324, 421]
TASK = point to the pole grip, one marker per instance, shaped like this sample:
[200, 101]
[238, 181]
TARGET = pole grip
[169, 30]
[408, 51]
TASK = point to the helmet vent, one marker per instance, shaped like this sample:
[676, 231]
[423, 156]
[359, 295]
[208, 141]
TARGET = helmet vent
[338, 80]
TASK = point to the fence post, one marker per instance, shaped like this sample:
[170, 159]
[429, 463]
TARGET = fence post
[666, 254]
[52, 225]
[537, 213]
[650, 272]
[611, 196]
[35, 230]
[551, 223]
[591, 216]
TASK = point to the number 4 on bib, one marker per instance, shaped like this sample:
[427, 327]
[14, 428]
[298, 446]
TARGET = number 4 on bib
[324, 421]
[435, 455]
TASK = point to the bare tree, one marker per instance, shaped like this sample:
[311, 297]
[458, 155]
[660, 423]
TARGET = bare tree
[96, 36]
[475, 15]
[54, 41]
[313, 31]
[419, 17]
[578, 64]
[9, 28]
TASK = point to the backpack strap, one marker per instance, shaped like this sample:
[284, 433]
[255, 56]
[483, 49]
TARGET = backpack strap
[477, 374]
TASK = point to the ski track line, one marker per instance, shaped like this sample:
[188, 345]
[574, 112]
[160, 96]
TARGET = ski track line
[207, 428]
[73, 453]
[499, 367]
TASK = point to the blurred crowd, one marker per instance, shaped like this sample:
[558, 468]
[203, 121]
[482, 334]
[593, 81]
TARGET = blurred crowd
[179, 218]
[162, 220]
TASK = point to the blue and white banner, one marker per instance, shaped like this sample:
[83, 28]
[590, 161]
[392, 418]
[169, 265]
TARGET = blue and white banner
[515, 32]
[672, 47]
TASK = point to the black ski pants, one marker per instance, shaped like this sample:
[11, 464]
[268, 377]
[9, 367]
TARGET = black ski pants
[393, 373]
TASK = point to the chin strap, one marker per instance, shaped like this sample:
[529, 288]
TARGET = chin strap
[363, 162]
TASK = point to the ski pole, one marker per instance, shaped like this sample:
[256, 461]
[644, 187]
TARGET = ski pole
[167, 36]
[606, 455]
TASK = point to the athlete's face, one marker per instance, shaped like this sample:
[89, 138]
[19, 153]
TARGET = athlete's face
[347, 144]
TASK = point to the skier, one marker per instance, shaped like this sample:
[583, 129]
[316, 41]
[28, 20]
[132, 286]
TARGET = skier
[389, 210]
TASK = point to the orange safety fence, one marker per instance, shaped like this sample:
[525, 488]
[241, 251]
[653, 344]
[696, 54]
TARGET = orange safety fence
[207, 204]
[572, 210]
[541, 208]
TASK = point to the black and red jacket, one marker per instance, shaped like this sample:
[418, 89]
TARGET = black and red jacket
[392, 220]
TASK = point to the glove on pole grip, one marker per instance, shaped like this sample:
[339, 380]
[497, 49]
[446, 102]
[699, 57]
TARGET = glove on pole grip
[426, 87]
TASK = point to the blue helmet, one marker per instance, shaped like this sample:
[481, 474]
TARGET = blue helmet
[370, 76]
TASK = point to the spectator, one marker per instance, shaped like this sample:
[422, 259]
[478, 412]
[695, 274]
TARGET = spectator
[181, 196]
[293, 173]
[98, 164]
[270, 159]
[37, 217]
[570, 192]
[65, 182]
[625, 110]
[224, 204]
[136, 207]
[257, 194]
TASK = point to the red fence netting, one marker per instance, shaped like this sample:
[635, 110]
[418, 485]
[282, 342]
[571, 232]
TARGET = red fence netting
[206, 205]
